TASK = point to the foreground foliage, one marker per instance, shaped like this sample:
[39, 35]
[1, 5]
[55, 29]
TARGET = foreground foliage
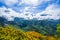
[58, 30]
[9, 33]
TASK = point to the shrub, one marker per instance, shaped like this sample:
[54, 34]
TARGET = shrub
[58, 30]
[34, 35]
[9, 33]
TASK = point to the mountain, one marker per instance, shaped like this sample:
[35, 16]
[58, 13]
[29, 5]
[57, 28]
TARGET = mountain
[48, 25]
[22, 21]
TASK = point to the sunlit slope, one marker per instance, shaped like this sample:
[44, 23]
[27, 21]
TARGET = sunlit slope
[9, 33]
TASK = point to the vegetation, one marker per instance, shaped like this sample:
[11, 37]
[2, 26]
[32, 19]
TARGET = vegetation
[45, 27]
[9, 33]
[58, 30]
[20, 29]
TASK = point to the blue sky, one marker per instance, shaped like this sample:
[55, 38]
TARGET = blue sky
[37, 8]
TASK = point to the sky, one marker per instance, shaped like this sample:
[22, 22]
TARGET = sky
[29, 9]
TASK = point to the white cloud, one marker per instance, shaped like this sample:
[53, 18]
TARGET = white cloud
[2, 9]
[52, 11]
[10, 2]
[34, 2]
[11, 14]
[29, 2]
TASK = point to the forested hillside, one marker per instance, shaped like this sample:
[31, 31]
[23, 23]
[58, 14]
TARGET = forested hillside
[9, 33]
[21, 29]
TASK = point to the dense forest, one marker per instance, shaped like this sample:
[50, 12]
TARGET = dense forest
[20, 29]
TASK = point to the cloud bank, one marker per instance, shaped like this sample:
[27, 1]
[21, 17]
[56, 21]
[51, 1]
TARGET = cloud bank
[29, 9]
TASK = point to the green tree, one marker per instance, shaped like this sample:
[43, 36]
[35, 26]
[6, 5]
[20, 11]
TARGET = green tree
[58, 30]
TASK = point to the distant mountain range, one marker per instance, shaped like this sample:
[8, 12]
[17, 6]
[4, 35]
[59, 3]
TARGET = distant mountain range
[48, 25]
[18, 21]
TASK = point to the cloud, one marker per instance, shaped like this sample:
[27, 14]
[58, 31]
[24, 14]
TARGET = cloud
[51, 12]
[39, 5]
[10, 14]
[19, 5]
[10, 3]
[34, 2]
[31, 2]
